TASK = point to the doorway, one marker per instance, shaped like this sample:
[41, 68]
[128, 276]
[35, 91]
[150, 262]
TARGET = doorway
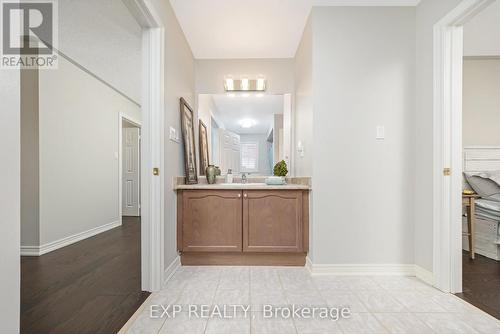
[448, 155]
[130, 167]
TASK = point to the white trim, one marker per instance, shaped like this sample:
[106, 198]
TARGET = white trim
[152, 150]
[361, 269]
[368, 3]
[121, 118]
[309, 265]
[424, 275]
[63, 242]
[171, 269]
[448, 58]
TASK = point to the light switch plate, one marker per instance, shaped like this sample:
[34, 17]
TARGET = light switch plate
[174, 135]
[380, 132]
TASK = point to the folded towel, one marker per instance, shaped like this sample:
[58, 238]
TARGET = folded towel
[275, 180]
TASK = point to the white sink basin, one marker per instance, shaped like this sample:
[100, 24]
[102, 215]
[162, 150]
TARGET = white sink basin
[243, 184]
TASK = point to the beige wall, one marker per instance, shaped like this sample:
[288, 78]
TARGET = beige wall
[304, 102]
[30, 201]
[481, 102]
[210, 74]
[78, 143]
[179, 82]
[363, 76]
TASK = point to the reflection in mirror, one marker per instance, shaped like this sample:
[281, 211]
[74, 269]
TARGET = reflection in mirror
[245, 131]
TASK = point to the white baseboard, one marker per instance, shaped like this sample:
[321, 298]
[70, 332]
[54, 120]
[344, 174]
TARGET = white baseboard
[360, 269]
[171, 269]
[424, 275]
[52, 246]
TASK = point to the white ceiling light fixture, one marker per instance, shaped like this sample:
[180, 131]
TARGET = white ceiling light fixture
[247, 123]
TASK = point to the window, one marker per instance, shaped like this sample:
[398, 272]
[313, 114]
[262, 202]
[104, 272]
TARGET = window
[249, 157]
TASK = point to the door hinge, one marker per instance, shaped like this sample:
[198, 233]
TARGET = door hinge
[156, 171]
[447, 171]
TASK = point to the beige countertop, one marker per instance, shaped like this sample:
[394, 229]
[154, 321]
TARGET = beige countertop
[254, 183]
[237, 186]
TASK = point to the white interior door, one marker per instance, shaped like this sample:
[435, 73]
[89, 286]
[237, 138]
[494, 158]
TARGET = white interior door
[229, 150]
[131, 172]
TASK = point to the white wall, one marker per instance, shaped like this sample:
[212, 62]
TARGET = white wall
[429, 12]
[264, 163]
[210, 74]
[114, 35]
[179, 82]
[303, 102]
[363, 76]
[482, 33]
[78, 143]
[481, 102]
[10, 196]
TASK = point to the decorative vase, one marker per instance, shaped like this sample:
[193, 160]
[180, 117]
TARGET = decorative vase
[217, 171]
[211, 173]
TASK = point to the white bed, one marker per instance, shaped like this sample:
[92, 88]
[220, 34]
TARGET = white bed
[487, 237]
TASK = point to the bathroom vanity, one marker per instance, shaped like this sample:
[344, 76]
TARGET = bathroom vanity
[243, 224]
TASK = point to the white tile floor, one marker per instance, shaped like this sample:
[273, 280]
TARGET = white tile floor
[378, 304]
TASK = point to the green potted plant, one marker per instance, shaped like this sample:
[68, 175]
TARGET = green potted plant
[280, 171]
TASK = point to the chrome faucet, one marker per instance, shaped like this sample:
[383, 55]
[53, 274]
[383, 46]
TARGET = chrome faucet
[243, 178]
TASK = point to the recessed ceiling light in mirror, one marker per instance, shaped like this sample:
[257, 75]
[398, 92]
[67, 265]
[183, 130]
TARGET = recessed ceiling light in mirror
[247, 123]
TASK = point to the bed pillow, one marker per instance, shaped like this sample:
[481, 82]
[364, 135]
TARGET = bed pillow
[484, 187]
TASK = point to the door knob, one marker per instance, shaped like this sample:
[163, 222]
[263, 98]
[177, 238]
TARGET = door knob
[239, 195]
[245, 195]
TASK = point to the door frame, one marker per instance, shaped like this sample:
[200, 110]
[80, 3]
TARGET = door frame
[447, 144]
[122, 117]
[152, 142]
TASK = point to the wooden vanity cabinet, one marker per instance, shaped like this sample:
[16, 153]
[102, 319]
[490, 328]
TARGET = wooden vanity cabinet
[272, 221]
[210, 221]
[243, 227]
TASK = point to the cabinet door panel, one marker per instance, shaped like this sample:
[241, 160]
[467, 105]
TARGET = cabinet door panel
[212, 221]
[272, 221]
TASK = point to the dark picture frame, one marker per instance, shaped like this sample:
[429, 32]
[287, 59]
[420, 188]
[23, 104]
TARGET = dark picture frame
[204, 153]
[187, 127]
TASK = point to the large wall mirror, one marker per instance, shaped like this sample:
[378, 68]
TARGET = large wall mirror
[247, 133]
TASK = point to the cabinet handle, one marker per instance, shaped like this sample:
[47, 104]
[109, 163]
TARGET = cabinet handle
[245, 195]
[239, 195]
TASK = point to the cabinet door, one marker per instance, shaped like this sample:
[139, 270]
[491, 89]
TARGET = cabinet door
[211, 221]
[272, 221]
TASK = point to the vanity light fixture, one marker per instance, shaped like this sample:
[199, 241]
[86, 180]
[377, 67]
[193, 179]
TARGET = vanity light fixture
[247, 123]
[244, 84]
[261, 84]
[229, 84]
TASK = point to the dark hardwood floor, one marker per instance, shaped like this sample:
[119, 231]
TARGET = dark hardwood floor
[481, 283]
[93, 286]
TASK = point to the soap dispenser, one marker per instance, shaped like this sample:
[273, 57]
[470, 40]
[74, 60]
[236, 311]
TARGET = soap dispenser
[229, 176]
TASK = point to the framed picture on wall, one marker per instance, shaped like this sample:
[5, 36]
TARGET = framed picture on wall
[204, 154]
[187, 125]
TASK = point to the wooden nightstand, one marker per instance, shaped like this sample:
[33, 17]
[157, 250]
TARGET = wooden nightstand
[470, 204]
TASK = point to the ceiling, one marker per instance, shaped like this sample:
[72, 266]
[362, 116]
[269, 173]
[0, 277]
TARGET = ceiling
[231, 110]
[230, 29]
